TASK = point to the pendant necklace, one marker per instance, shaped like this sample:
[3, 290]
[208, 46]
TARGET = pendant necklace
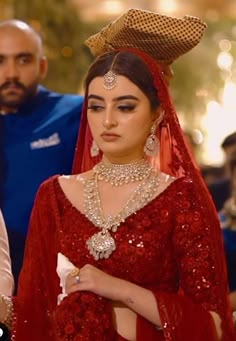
[102, 244]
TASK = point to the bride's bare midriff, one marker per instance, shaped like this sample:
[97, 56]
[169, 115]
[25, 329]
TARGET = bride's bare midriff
[124, 321]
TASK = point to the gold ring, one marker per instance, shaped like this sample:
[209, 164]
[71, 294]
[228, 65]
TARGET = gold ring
[75, 272]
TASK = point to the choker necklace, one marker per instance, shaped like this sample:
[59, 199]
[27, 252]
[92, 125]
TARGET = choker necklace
[102, 244]
[120, 174]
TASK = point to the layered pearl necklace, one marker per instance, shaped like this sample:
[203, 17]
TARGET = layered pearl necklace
[102, 244]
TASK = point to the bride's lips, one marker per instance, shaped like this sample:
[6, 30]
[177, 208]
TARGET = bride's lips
[109, 137]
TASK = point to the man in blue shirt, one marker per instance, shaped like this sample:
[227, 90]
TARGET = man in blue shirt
[38, 129]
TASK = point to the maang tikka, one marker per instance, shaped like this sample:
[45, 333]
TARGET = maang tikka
[110, 77]
[151, 145]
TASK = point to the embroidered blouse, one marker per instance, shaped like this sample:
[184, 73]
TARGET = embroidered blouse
[167, 246]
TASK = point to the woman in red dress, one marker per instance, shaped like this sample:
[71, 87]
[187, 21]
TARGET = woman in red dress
[129, 247]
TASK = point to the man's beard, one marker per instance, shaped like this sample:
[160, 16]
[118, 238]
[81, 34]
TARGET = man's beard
[13, 100]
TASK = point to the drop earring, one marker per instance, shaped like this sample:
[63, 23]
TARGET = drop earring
[94, 150]
[151, 145]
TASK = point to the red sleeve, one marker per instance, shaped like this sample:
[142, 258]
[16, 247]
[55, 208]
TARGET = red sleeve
[198, 247]
[37, 289]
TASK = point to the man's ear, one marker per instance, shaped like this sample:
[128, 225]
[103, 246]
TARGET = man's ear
[43, 67]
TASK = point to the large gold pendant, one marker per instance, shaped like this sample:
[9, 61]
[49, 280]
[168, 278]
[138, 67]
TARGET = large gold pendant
[101, 245]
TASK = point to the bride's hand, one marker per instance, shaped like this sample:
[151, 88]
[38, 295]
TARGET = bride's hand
[90, 278]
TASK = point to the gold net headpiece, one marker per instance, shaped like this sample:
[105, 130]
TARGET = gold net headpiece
[162, 37]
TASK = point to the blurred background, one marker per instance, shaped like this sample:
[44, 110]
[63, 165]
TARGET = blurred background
[204, 85]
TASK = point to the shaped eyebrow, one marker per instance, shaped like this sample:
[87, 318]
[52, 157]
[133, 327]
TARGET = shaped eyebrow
[116, 99]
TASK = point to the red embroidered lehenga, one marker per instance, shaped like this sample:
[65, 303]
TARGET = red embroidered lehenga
[171, 246]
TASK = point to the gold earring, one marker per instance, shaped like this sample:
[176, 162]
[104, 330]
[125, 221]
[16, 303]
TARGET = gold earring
[151, 145]
[94, 150]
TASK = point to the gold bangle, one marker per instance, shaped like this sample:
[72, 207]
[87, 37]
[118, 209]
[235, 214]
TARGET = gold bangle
[8, 319]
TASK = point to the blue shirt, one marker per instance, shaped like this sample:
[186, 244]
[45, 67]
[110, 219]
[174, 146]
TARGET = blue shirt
[39, 141]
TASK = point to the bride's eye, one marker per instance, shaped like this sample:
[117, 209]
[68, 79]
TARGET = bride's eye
[95, 107]
[126, 107]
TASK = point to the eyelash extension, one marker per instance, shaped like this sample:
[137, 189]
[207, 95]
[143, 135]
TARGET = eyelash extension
[126, 107]
[94, 107]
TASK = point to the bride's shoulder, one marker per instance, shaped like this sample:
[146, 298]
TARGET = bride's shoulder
[75, 179]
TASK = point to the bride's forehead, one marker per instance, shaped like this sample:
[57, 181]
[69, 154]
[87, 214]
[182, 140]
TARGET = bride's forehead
[122, 84]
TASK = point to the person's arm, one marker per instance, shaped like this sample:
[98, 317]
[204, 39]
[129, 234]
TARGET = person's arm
[143, 301]
[6, 277]
[137, 298]
[198, 245]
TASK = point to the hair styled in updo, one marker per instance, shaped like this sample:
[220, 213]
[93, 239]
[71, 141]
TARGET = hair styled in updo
[129, 65]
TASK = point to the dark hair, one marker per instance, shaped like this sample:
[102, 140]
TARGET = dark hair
[230, 140]
[129, 65]
[232, 161]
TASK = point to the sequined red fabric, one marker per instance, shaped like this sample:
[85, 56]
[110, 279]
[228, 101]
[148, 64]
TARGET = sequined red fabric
[167, 247]
[172, 246]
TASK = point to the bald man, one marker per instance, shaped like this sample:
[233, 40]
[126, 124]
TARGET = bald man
[22, 64]
[38, 129]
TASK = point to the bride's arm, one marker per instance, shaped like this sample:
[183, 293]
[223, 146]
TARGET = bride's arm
[140, 300]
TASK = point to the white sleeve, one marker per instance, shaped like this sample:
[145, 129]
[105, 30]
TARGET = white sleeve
[6, 277]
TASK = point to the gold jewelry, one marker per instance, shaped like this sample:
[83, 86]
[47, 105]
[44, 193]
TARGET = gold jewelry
[120, 174]
[75, 272]
[151, 145]
[8, 319]
[102, 244]
[94, 150]
[110, 78]
[77, 279]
